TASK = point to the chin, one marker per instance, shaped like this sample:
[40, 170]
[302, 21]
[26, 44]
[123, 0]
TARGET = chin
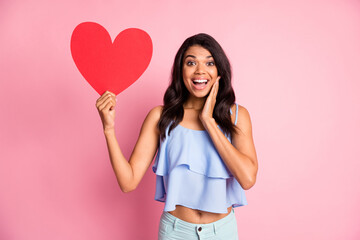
[200, 94]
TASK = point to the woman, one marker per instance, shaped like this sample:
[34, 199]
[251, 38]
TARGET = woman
[205, 152]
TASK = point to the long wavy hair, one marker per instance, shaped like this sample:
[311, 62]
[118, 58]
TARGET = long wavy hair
[177, 94]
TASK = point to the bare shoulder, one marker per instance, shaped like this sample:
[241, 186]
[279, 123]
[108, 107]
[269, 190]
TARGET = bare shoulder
[153, 116]
[155, 113]
[243, 119]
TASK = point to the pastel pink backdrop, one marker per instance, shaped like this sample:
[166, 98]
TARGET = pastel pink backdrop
[296, 70]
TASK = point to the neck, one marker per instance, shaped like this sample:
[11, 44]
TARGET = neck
[194, 103]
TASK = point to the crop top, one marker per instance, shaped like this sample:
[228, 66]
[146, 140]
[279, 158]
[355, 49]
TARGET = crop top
[190, 172]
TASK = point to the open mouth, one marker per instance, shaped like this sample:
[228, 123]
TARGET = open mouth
[200, 83]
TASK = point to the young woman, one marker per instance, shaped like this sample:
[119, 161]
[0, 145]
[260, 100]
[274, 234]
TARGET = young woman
[206, 156]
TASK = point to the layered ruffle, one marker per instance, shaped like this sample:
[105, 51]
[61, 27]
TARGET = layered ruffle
[193, 148]
[190, 172]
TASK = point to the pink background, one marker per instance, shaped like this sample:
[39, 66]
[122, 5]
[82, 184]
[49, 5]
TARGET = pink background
[296, 69]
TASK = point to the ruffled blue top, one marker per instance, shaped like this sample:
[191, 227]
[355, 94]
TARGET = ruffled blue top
[190, 172]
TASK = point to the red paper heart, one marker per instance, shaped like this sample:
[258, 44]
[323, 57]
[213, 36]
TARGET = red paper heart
[106, 65]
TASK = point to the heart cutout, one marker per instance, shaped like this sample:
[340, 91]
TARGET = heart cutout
[106, 65]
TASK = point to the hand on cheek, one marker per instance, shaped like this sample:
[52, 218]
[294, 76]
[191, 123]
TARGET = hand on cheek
[207, 112]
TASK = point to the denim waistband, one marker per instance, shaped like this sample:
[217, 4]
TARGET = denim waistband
[177, 223]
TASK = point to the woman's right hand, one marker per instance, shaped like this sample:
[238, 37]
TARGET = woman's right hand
[105, 105]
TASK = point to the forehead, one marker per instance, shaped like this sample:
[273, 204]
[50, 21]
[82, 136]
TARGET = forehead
[197, 51]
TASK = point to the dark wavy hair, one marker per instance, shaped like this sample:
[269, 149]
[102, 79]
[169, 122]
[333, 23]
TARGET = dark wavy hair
[176, 94]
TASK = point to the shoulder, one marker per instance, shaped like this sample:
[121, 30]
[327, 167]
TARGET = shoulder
[156, 110]
[152, 119]
[243, 118]
[155, 113]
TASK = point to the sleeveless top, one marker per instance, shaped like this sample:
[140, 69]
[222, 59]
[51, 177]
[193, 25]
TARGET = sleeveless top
[190, 172]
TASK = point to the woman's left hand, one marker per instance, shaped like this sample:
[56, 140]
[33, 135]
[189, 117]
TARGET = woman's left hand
[207, 113]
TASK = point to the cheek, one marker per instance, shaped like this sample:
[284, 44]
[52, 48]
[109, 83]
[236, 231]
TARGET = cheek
[214, 72]
[186, 83]
[185, 76]
[186, 72]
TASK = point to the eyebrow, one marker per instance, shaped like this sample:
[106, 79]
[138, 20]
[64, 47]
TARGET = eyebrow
[195, 57]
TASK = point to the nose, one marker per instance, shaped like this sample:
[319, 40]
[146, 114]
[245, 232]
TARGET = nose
[200, 69]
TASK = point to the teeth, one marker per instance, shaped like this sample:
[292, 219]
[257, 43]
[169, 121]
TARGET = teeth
[200, 80]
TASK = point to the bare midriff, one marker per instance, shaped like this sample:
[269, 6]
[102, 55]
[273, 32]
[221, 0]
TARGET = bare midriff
[197, 216]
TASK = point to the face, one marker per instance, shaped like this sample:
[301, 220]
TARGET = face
[199, 71]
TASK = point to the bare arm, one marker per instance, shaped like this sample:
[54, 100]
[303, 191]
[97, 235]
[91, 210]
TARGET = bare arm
[240, 156]
[129, 173]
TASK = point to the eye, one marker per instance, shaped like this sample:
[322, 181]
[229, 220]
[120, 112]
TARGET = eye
[212, 63]
[190, 63]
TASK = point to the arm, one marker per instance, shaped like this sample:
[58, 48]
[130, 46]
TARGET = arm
[129, 173]
[240, 156]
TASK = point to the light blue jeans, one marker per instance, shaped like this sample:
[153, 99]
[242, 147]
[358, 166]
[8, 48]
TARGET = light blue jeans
[173, 228]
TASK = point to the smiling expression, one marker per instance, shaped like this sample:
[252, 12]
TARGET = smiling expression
[199, 71]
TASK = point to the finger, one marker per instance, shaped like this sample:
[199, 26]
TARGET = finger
[109, 106]
[113, 103]
[113, 94]
[105, 98]
[213, 89]
[106, 94]
[216, 89]
[213, 93]
[210, 99]
[103, 105]
[102, 100]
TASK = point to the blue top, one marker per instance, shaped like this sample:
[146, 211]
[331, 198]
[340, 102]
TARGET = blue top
[190, 172]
